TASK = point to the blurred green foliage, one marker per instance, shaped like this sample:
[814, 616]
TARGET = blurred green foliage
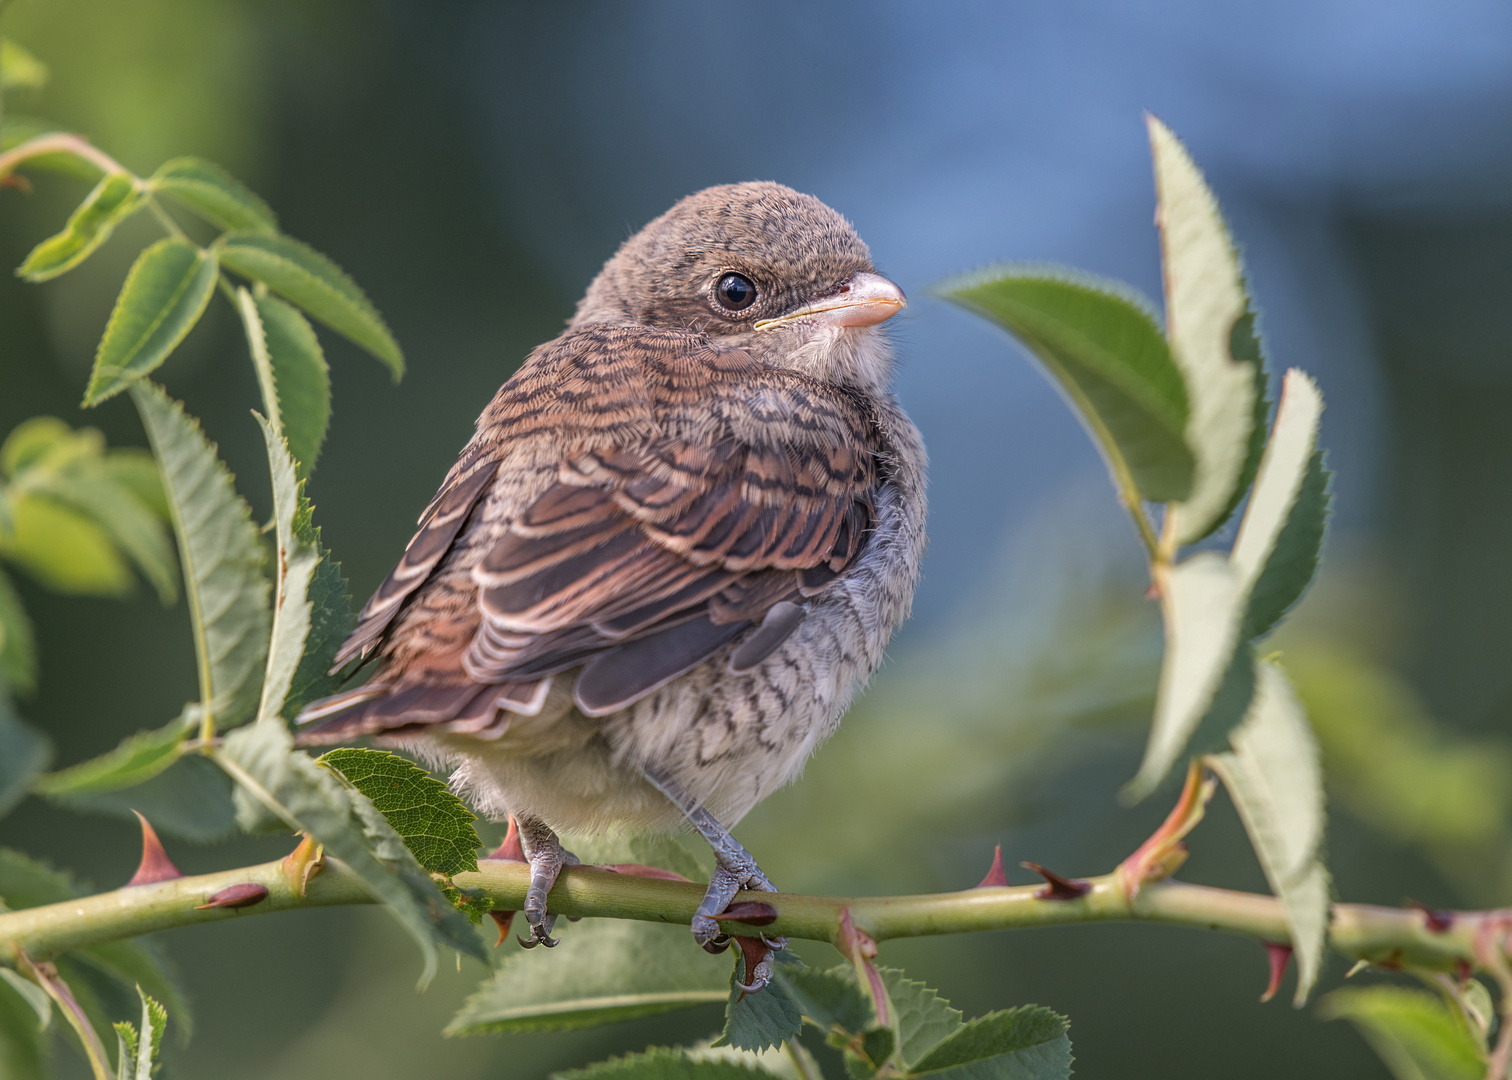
[1004, 726]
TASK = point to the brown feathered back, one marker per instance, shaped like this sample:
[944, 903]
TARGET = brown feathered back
[674, 492]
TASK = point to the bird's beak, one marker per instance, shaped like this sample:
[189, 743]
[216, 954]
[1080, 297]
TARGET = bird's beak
[864, 300]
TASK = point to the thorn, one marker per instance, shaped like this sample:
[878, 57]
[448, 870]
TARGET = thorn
[510, 847]
[17, 181]
[243, 895]
[640, 870]
[503, 918]
[304, 862]
[1279, 956]
[1359, 966]
[1435, 920]
[995, 874]
[1059, 888]
[750, 912]
[155, 865]
[1462, 969]
[1153, 592]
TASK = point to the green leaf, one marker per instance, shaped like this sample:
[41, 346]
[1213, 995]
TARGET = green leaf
[190, 799]
[221, 554]
[24, 1050]
[19, 69]
[274, 778]
[135, 528]
[26, 882]
[604, 970]
[1108, 357]
[1294, 559]
[1213, 607]
[1276, 781]
[291, 369]
[922, 1018]
[1205, 300]
[660, 1063]
[829, 999]
[1276, 551]
[758, 1021]
[135, 470]
[331, 622]
[164, 296]
[863, 1061]
[790, 1061]
[63, 549]
[115, 198]
[1027, 1043]
[297, 559]
[138, 758]
[24, 752]
[1414, 1033]
[213, 194]
[18, 645]
[136, 1055]
[1203, 603]
[433, 823]
[308, 279]
[32, 994]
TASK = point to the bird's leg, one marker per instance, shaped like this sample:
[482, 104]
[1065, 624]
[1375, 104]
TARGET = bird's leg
[546, 856]
[736, 869]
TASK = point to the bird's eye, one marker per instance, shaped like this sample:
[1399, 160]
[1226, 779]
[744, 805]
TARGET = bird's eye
[735, 292]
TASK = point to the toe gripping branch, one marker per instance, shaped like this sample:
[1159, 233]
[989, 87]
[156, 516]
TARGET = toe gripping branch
[736, 869]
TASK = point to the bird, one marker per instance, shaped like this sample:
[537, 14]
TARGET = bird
[675, 547]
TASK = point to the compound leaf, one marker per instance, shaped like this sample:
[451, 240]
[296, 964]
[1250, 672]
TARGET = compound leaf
[280, 783]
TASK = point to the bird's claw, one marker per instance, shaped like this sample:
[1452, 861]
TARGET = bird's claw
[540, 931]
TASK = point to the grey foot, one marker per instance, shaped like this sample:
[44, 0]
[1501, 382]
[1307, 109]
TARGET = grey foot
[546, 857]
[736, 870]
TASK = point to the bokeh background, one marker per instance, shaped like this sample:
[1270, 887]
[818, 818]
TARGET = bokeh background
[471, 164]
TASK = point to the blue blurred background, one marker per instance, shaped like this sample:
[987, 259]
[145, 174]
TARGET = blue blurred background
[472, 164]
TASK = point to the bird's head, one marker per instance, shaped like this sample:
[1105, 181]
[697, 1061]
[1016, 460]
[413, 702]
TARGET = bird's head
[761, 267]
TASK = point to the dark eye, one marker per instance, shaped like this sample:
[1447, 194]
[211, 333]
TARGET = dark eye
[735, 292]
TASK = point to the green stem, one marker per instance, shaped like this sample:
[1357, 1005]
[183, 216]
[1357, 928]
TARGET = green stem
[58, 143]
[1390, 937]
